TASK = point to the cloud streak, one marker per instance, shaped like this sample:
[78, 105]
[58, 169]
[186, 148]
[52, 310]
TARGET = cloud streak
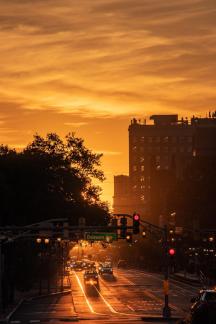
[87, 65]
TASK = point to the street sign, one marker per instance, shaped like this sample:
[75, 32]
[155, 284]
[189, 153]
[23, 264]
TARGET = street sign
[107, 237]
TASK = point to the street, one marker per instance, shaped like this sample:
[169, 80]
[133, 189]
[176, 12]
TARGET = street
[125, 297]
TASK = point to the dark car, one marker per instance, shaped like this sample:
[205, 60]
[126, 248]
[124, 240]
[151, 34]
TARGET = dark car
[105, 268]
[78, 266]
[91, 278]
[203, 309]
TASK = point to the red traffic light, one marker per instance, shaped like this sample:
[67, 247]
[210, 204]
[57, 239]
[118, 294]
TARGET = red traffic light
[172, 252]
[136, 217]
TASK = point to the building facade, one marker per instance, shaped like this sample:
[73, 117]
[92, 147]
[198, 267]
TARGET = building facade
[158, 154]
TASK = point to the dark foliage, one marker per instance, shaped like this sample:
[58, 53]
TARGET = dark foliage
[50, 178]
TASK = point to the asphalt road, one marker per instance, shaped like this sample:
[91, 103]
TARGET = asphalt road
[124, 298]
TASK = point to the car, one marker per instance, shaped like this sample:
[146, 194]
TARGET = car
[203, 309]
[78, 266]
[91, 278]
[105, 268]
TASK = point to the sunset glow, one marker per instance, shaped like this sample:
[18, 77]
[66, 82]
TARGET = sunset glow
[91, 66]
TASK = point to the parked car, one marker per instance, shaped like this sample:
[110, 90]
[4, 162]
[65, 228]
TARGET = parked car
[203, 309]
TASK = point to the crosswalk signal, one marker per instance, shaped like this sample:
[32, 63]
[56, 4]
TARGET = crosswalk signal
[136, 223]
[129, 237]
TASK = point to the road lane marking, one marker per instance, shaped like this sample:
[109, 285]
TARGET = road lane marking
[131, 308]
[106, 302]
[86, 298]
[112, 309]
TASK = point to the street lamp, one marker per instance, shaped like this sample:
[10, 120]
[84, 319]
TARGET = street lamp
[47, 240]
[38, 240]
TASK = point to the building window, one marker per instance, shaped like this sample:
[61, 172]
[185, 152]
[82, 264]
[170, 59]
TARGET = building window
[134, 187]
[165, 139]
[142, 139]
[182, 139]
[134, 148]
[157, 139]
[141, 149]
[142, 159]
[142, 197]
[142, 187]
[134, 139]
[134, 168]
[142, 179]
[142, 168]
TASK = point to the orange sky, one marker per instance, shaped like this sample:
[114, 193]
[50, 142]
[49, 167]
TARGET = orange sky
[89, 66]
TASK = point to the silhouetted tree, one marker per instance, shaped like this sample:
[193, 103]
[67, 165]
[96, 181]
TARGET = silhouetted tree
[50, 178]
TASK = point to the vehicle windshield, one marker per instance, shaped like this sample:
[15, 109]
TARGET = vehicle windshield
[210, 296]
[91, 272]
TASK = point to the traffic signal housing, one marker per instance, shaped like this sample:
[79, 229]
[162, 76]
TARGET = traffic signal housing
[129, 238]
[123, 230]
[136, 223]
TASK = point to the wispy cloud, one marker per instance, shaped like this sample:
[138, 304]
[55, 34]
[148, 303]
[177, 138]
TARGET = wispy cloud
[90, 65]
[113, 57]
[75, 124]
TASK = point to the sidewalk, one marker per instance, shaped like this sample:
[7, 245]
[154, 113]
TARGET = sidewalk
[34, 293]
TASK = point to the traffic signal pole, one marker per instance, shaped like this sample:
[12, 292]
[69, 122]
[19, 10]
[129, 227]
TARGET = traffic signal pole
[165, 245]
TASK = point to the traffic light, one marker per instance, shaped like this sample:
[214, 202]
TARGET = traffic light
[123, 221]
[129, 237]
[172, 252]
[136, 223]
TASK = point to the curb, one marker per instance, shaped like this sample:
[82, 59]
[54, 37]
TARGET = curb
[160, 319]
[192, 282]
[8, 317]
[64, 292]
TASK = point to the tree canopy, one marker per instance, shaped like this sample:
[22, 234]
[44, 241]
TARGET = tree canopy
[51, 178]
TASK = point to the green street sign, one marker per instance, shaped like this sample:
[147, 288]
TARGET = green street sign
[106, 237]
